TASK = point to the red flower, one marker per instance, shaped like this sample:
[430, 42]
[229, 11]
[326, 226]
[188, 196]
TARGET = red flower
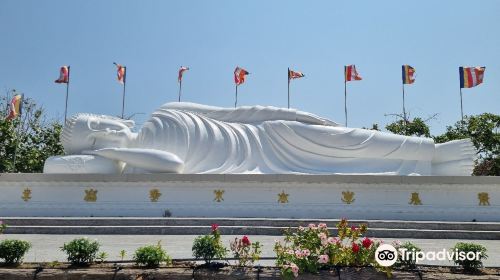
[353, 228]
[367, 242]
[355, 248]
[245, 241]
[214, 227]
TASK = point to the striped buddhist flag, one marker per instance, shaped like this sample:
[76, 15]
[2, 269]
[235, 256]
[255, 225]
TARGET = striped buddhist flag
[63, 75]
[351, 74]
[294, 75]
[239, 75]
[471, 76]
[15, 108]
[181, 71]
[408, 73]
[121, 72]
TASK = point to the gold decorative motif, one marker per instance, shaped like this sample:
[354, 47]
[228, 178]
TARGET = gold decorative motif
[283, 197]
[484, 199]
[218, 195]
[90, 195]
[415, 199]
[26, 194]
[348, 197]
[154, 195]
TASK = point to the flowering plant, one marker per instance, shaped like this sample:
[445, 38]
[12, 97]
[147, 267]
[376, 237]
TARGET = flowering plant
[311, 248]
[209, 246]
[245, 251]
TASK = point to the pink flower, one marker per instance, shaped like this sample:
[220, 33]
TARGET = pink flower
[353, 228]
[245, 241]
[301, 228]
[323, 259]
[214, 227]
[322, 225]
[306, 253]
[298, 254]
[322, 235]
[355, 248]
[332, 240]
[366, 242]
[312, 226]
[290, 252]
[295, 269]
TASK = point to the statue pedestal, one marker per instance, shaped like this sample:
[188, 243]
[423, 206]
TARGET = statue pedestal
[435, 198]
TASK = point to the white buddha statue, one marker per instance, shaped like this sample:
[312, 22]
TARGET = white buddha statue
[191, 138]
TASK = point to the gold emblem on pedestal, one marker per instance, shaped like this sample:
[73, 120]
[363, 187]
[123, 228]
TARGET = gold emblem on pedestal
[283, 197]
[26, 194]
[415, 199]
[218, 195]
[348, 197]
[154, 195]
[484, 199]
[90, 195]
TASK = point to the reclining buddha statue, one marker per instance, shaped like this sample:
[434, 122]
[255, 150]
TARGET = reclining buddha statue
[191, 138]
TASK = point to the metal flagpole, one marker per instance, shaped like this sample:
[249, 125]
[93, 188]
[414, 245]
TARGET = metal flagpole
[345, 94]
[124, 84]
[461, 105]
[288, 88]
[404, 111]
[236, 100]
[180, 89]
[67, 91]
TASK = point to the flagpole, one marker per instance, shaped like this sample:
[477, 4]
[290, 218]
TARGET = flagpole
[461, 105]
[404, 111]
[180, 89]
[67, 93]
[124, 84]
[345, 95]
[288, 88]
[236, 100]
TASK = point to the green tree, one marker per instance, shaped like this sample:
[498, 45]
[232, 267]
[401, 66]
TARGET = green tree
[30, 139]
[484, 131]
[416, 127]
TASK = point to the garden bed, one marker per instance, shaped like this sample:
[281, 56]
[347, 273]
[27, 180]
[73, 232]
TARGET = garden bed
[188, 271]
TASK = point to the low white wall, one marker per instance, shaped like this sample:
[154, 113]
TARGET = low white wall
[286, 196]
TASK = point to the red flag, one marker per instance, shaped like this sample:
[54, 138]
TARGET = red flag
[63, 75]
[15, 108]
[120, 72]
[471, 76]
[181, 71]
[239, 75]
[351, 74]
[294, 74]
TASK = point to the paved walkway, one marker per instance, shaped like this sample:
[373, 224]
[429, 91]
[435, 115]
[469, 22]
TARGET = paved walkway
[46, 248]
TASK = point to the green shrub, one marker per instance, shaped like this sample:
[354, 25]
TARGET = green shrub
[13, 251]
[412, 261]
[463, 248]
[81, 251]
[151, 256]
[209, 247]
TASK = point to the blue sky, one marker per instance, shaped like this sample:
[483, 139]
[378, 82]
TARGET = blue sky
[153, 38]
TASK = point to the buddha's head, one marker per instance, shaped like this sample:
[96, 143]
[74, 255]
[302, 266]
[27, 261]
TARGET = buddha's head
[90, 132]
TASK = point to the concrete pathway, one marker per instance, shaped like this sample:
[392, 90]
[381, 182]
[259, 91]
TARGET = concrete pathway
[46, 248]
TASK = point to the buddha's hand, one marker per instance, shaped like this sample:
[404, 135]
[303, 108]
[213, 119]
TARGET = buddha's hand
[150, 160]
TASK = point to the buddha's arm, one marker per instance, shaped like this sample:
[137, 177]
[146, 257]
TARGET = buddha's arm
[155, 161]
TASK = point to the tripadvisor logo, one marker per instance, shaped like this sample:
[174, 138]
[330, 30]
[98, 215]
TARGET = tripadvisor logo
[387, 255]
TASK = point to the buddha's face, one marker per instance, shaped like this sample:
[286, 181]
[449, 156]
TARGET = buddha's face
[92, 132]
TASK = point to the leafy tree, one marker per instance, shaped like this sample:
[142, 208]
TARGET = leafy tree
[416, 127]
[30, 139]
[484, 131]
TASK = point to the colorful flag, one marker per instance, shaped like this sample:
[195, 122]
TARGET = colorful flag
[351, 74]
[239, 75]
[63, 75]
[181, 70]
[120, 73]
[294, 74]
[471, 76]
[408, 73]
[15, 108]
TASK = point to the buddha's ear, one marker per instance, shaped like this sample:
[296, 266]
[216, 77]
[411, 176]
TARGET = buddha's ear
[128, 123]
